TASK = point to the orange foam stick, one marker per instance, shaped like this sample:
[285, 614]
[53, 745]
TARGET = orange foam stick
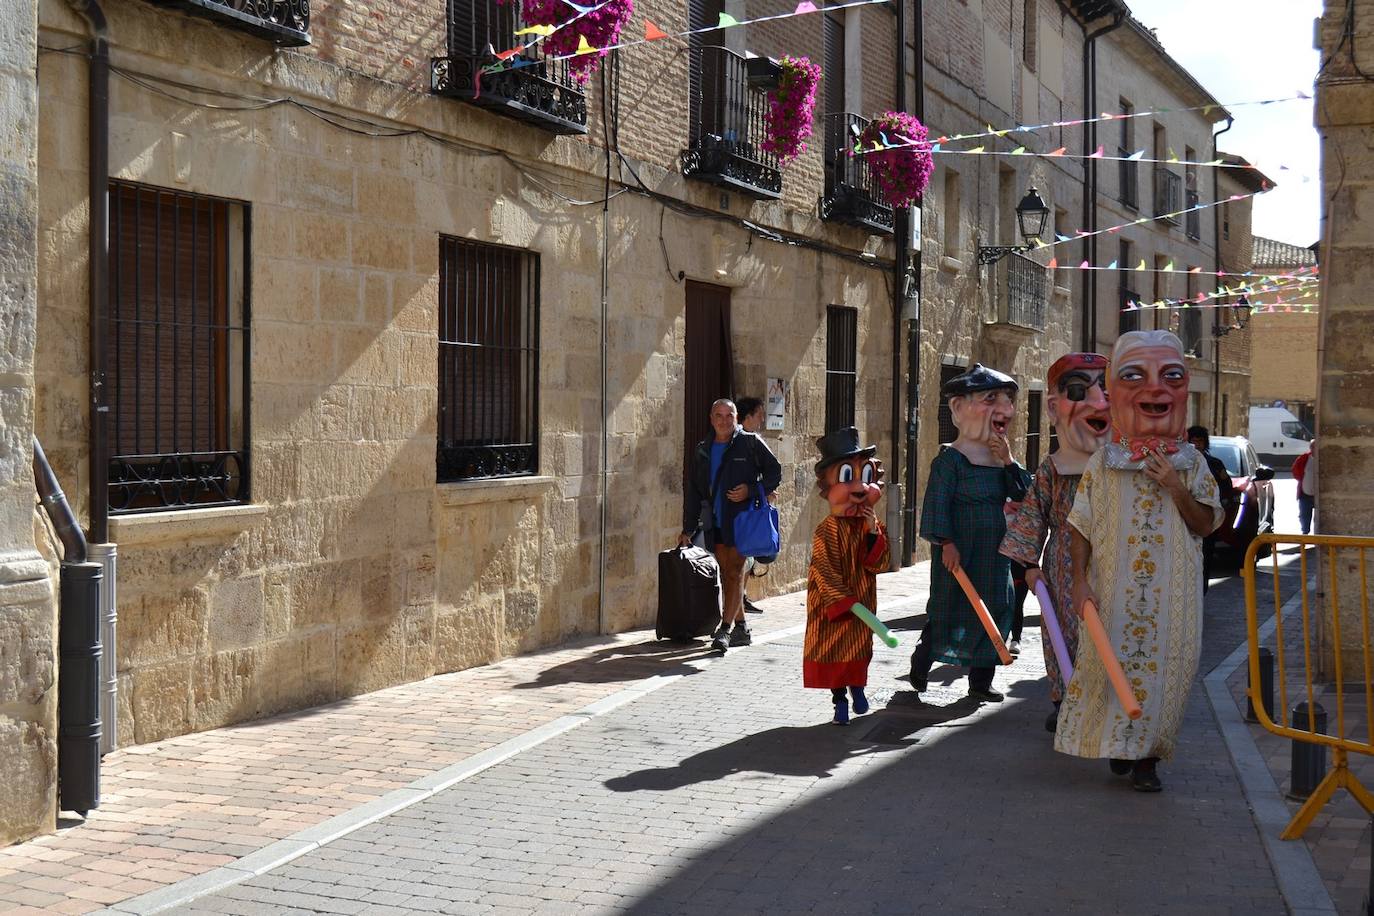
[984, 617]
[1124, 694]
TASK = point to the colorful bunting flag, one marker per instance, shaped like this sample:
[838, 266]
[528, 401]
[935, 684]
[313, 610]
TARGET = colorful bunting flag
[653, 32]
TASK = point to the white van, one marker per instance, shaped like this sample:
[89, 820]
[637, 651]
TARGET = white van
[1277, 435]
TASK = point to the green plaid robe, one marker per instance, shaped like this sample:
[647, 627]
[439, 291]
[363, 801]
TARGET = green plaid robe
[963, 504]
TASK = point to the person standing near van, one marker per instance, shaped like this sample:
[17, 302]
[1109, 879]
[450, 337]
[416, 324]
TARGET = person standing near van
[724, 470]
[1305, 473]
[753, 419]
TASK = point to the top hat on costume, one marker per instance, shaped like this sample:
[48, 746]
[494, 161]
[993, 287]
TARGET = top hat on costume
[979, 378]
[840, 445]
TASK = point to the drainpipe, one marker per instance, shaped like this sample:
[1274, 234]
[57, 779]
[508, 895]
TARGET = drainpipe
[98, 167]
[78, 647]
[901, 234]
[1216, 255]
[1089, 334]
[913, 317]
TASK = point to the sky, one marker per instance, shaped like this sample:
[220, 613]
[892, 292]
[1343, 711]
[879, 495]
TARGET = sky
[1243, 50]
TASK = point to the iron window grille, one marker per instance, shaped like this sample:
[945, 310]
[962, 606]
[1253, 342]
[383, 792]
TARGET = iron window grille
[1193, 218]
[535, 88]
[1190, 330]
[488, 418]
[852, 194]
[178, 350]
[1023, 290]
[283, 22]
[1168, 194]
[1130, 180]
[726, 124]
[944, 417]
[841, 365]
[1128, 320]
[1033, 411]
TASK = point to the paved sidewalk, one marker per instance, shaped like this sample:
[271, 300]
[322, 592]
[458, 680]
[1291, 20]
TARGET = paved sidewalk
[179, 808]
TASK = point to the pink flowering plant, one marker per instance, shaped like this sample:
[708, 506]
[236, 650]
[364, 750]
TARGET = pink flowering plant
[601, 27]
[902, 169]
[791, 107]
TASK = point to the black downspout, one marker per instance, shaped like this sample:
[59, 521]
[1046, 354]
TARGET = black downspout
[901, 234]
[78, 651]
[913, 333]
[1088, 338]
[1216, 313]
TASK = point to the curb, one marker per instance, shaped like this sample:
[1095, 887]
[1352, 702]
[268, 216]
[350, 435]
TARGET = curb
[311, 838]
[1299, 882]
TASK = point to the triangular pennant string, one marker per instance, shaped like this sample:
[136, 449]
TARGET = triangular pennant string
[653, 32]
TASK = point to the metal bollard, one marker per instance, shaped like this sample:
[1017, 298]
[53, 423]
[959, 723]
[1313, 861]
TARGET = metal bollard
[1266, 691]
[1309, 760]
[1369, 898]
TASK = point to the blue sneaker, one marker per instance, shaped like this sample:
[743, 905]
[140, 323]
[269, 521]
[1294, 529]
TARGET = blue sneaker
[841, 712]
[860, 701]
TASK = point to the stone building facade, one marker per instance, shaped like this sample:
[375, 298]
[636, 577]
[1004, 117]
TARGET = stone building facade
[1230, 327]
[1345, 395]
[1284, 362]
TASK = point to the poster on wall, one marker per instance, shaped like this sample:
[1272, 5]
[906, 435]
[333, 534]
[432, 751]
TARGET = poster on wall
[777, 402]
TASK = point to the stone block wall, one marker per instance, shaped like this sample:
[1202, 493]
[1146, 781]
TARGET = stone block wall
[352, 569]
[28, 636]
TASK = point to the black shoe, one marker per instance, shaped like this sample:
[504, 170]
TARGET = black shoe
[1144, 778]
[752, 608]
[720, 640]
[1119, 766]
[986, 694]
[1052, 721]
[919, 684]
[740, 636]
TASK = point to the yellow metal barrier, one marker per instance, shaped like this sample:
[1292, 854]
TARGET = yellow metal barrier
[1344, 562]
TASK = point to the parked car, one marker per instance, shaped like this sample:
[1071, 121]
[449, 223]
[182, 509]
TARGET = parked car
[1278, 436]
[1251, 513]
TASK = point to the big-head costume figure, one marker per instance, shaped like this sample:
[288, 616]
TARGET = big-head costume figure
[848, 551]
[1078, 409]
[962, 518]
[1144, 503]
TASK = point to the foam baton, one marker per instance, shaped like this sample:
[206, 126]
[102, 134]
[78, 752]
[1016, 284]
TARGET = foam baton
[874, 624]
[1061, 651]
[984, 617]
[1124, 694]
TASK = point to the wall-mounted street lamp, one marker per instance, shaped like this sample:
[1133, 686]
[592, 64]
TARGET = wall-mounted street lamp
[1242, 318]
[1031, 214]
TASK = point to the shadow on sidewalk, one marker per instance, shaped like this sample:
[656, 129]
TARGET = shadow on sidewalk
[632, 662]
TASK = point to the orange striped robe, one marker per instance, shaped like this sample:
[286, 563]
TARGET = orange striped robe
[843, 570]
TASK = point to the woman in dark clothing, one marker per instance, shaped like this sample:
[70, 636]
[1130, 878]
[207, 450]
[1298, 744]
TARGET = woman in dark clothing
[723, 470]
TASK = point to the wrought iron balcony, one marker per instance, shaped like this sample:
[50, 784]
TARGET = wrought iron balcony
[283, 22]
[1021, 292]
[1130, 180]
[534, 89]
[1168, 194]
[726, 122]
[852, 195]
[1193, 218]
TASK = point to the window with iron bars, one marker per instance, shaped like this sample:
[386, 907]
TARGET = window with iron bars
[944, 417]
[1128, 317]
[1033, 410]
[488, 419]
[841, 366]
[177, 350]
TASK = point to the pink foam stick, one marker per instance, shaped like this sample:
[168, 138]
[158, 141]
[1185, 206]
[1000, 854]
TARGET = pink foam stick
[1051, 624]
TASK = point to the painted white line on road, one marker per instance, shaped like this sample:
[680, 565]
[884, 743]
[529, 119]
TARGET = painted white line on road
[1291, 861]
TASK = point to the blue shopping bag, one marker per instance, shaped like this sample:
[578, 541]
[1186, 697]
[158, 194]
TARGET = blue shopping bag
[756, 529]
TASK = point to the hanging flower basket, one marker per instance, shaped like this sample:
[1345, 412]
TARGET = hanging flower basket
[601, 28]
[903, 171]
[791, 107]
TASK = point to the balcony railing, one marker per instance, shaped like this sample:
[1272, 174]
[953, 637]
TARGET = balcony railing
[533, 88]
[283, 22]
[1130, 180]
[1193, 218]
[726, 122]
[1168, 194]
[851, 195]
[1021, 292]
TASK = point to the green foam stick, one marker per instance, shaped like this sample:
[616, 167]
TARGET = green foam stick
[874, 624]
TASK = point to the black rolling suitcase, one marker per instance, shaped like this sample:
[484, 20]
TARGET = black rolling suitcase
[688, 594]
